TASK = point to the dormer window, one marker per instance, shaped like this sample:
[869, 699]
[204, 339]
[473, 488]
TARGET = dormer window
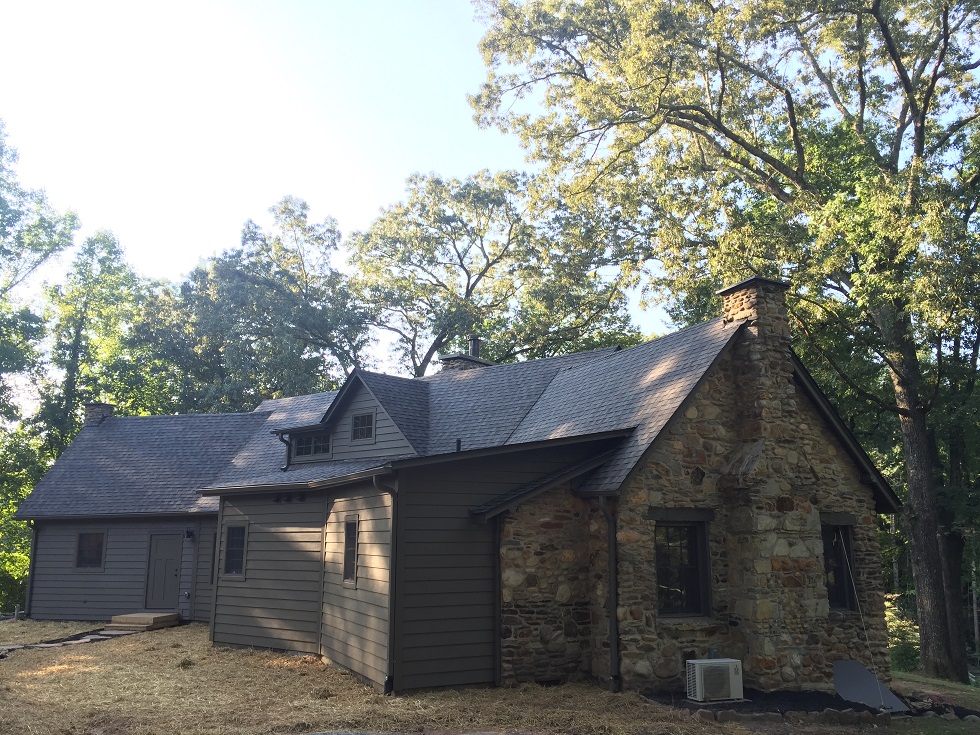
[313, 446]
[362, 427]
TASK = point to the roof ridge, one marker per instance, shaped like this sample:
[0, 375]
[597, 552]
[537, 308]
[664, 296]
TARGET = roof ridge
[611, 349]
[171, 416]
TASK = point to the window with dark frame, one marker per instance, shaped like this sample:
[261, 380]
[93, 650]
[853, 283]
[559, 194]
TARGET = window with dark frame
[362, 427]
[350, 549]
[311, 445]
[91, 550]
[682, 568]
[837, 567]
[234, 550]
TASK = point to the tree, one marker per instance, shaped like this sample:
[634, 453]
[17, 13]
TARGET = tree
[20, 469]
[89, 316]
[834, 143]
[460, 256]
[282, 288]
[31, 233]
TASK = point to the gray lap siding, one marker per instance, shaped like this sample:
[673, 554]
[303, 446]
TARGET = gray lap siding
[292, 595]
[275, 602]
[61, 591]
[355, 614]
[447, 587]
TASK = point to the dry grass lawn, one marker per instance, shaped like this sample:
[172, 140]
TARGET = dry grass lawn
[23, 632]
[173, 681]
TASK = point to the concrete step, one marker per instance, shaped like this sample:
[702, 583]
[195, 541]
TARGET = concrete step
[142, 621]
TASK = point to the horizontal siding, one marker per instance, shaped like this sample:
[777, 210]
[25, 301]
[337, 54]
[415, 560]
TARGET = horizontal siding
[446, 593]
[276, 603]
[203, 572]
[388, 438]
[354, 631]
[62, 592]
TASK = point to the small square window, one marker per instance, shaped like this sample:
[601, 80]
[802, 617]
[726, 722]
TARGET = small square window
[234, 550]
[682, 568]
[350, 549]
[837, 567]
[362, 427]
[90, 553]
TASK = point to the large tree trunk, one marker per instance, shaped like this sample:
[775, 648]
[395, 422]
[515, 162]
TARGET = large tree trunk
[937, 592]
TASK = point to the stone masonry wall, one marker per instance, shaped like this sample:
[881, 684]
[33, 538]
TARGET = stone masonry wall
[544, 567]
[750, 447]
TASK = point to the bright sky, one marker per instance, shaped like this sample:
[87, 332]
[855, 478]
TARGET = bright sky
[172, 123]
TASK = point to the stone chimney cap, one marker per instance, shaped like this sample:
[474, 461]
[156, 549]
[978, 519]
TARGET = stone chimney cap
[750, 282]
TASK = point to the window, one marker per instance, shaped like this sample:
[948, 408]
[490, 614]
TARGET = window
[350, 550]
[682, 568]
[362, 427]
[90, 553]
[309, 446]
[837, 567]
[234, 550]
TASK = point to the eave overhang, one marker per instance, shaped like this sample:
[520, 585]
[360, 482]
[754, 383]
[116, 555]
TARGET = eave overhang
[510, 500]
[308, 485]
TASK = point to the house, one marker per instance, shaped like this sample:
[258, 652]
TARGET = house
[604, 514]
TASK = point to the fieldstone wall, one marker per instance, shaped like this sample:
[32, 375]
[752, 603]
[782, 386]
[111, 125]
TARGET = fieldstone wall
[750, 447]
[544, 568]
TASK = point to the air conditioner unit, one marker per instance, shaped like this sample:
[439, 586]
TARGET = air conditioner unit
[714, 679]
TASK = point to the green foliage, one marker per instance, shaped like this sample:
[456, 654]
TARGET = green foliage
[903, 633]
[20, 468]
[462, 256]
[833, 144]
[88, 316]
[30, 234]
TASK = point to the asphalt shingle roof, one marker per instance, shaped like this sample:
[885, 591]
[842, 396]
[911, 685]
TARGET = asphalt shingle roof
[262, 455]
[157, 464]
[141, 465]
[640, 387]
[483, 406]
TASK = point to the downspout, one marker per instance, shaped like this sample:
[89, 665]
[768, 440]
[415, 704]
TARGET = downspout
[219, 531]
[286, 442]
[389, 683]
[30, 569]
[615, 680]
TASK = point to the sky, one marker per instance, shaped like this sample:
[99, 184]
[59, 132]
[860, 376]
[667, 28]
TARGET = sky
[171, 124]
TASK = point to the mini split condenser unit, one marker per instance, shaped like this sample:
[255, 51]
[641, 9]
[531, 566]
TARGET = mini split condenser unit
[714, 679]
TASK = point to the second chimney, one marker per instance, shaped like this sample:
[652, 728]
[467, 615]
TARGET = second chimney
[96, 413]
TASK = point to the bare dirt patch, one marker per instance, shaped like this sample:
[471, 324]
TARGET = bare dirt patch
[173, 681]
[26, 632]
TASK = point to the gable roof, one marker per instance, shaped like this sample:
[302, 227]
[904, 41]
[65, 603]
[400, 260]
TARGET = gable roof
[140, 465]
[640, 387]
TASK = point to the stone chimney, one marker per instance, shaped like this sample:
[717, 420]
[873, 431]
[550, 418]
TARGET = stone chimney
[762, 359]
[466, 361]
[96, 413]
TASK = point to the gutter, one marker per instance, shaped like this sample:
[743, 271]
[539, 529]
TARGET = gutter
[307, 486]
[615, 680]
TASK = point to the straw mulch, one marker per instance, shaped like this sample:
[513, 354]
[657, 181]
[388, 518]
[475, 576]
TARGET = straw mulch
[25, 632]
[174, 682]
